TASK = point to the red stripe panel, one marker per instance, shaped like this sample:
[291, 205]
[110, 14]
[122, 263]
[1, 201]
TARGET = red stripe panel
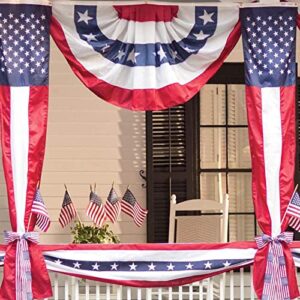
[6, 151]
[38, 115]
[147, 12]
[298, 21]
[254, 110]
[287, 167]
[152, 99]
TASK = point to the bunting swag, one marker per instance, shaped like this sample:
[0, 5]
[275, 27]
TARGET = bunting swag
[137, 56]
[148, 265]
[24, 53]
[269, 35]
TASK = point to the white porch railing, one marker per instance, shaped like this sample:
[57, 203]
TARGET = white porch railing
[238, 285]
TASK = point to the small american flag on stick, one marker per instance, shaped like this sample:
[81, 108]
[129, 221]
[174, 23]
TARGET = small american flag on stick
[68, 211]
[96, 210]
[293, 210]
[130, 206]
[113, 206]
[39, 208]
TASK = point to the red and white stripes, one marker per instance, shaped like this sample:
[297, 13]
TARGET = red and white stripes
[271, 119]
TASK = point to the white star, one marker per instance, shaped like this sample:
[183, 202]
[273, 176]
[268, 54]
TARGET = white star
[121, 53]
[90, 37]
[114, 267]
[84, 17]
[58, 261]
[189, 266]
[201, 36]
[103, 50]
[152, 267]
[206, 17]
[189, 50]
[132, 56]
[132, 267]
[96, 266]
[226, 264]
[170, 267]
[208, 265]
[77, 265]
[174, 54]
[161, 53]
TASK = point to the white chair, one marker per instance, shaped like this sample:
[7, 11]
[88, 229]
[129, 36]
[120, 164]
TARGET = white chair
[210, 226]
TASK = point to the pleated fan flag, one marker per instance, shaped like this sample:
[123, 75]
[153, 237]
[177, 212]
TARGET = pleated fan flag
[96, 210]
[145, 57]
[131, 207]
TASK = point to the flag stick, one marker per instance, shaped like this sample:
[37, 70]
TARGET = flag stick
[28, 224]
[77, 215]
[113, 183]
[289, 204]
[91, 187]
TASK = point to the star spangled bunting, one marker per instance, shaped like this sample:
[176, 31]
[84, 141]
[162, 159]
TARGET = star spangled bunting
[138, 62]
[68, 211]
[39, 208]
[113, 206]
[293, 210]
[96, 210]
[131, 207]
[143, 266]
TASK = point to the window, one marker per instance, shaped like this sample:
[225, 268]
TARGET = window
[225, 164]
[197, 149]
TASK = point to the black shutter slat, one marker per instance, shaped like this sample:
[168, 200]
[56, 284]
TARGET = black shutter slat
[171, 143]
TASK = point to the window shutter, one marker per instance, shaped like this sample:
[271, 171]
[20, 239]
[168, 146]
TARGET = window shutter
[171, 168]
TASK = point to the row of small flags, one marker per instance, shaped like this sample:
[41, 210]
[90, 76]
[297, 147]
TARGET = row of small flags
[96, 210]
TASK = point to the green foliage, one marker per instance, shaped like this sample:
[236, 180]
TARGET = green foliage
[84, 234]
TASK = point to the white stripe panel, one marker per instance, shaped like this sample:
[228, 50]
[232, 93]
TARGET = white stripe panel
[148, 77]
[19, 142]
[272, 138]
[154, 255]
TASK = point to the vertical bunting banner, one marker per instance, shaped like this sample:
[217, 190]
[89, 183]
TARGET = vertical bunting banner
[24, 56]
[269, 39]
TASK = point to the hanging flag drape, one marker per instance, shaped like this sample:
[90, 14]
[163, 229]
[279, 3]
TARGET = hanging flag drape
[269, 35]
[144, 57]
[24, 54]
